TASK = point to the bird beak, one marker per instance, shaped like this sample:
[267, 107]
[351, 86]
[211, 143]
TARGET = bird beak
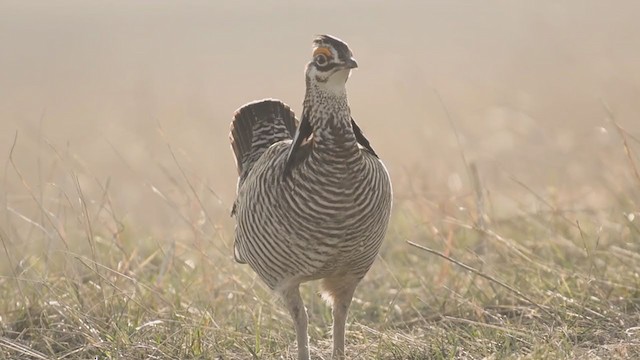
[351, 63]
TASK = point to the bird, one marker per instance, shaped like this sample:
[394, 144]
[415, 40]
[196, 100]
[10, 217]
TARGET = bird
[313, 197]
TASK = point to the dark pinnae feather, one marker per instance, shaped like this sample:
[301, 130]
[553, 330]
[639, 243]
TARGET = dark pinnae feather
[361, 139]
[303, 132]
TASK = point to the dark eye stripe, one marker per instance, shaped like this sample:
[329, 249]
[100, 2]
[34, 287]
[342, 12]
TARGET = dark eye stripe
[327, 67]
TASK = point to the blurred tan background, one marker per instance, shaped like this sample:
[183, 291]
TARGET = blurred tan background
[112, 85]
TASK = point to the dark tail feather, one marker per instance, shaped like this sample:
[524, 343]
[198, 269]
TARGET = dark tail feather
[255, 127]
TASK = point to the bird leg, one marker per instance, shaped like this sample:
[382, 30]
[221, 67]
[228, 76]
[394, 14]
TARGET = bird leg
[339, 292]
[295, 305]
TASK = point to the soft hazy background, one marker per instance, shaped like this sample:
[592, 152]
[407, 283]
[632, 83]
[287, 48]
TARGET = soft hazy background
[106, 91]
[116, 240]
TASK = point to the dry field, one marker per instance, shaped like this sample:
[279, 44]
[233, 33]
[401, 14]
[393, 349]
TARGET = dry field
[511, 131]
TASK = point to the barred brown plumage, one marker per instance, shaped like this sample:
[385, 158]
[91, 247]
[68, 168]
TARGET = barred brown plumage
[314, 204]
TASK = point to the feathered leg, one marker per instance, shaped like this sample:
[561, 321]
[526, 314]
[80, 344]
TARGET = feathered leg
[339, 292]
[295, 305]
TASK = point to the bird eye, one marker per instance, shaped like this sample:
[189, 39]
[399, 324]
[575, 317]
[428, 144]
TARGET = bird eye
[321, 60]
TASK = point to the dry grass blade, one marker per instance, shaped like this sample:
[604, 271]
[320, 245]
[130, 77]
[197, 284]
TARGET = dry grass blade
[33, 196]
[491, 326]
[21, 349]
[623, 135]
[483, 275]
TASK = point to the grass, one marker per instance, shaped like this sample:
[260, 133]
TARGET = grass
[556, 280]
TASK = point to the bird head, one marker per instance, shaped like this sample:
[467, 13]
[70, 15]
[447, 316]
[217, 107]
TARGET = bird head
[331, 63]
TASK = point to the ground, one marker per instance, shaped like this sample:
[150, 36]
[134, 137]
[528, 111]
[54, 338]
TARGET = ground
[454, 280]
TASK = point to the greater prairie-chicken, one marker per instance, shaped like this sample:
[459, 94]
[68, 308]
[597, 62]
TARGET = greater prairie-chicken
[313, 197]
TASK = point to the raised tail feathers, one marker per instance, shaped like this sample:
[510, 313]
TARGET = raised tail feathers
[255, 127]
